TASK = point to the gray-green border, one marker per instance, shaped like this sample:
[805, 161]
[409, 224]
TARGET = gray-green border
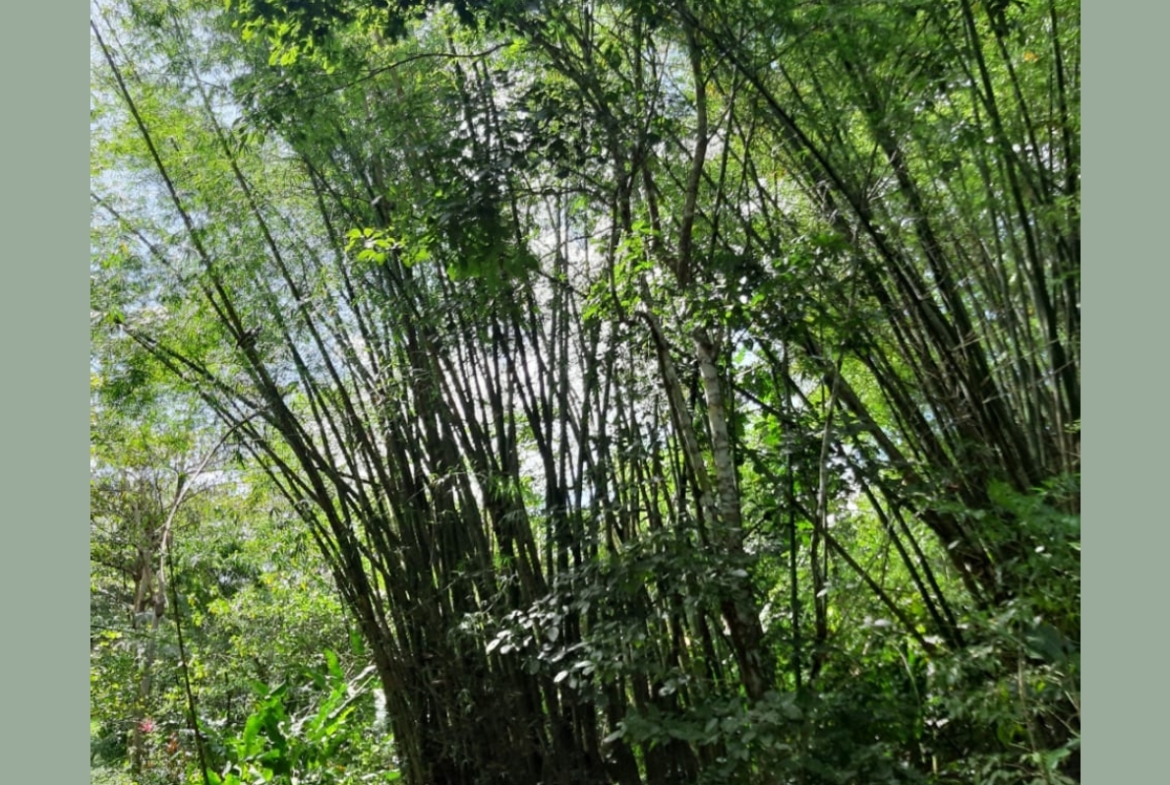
[1126, 539]
[44, 496]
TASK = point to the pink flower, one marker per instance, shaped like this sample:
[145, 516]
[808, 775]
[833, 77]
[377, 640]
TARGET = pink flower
[146, 726]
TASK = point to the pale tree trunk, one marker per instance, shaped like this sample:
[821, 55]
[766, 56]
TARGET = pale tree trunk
[739, 610]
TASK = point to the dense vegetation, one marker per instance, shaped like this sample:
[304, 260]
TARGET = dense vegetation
[592, 392]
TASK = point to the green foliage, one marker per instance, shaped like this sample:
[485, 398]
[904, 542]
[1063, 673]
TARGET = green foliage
[251, 597]
[317, 745]
[694, 386]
